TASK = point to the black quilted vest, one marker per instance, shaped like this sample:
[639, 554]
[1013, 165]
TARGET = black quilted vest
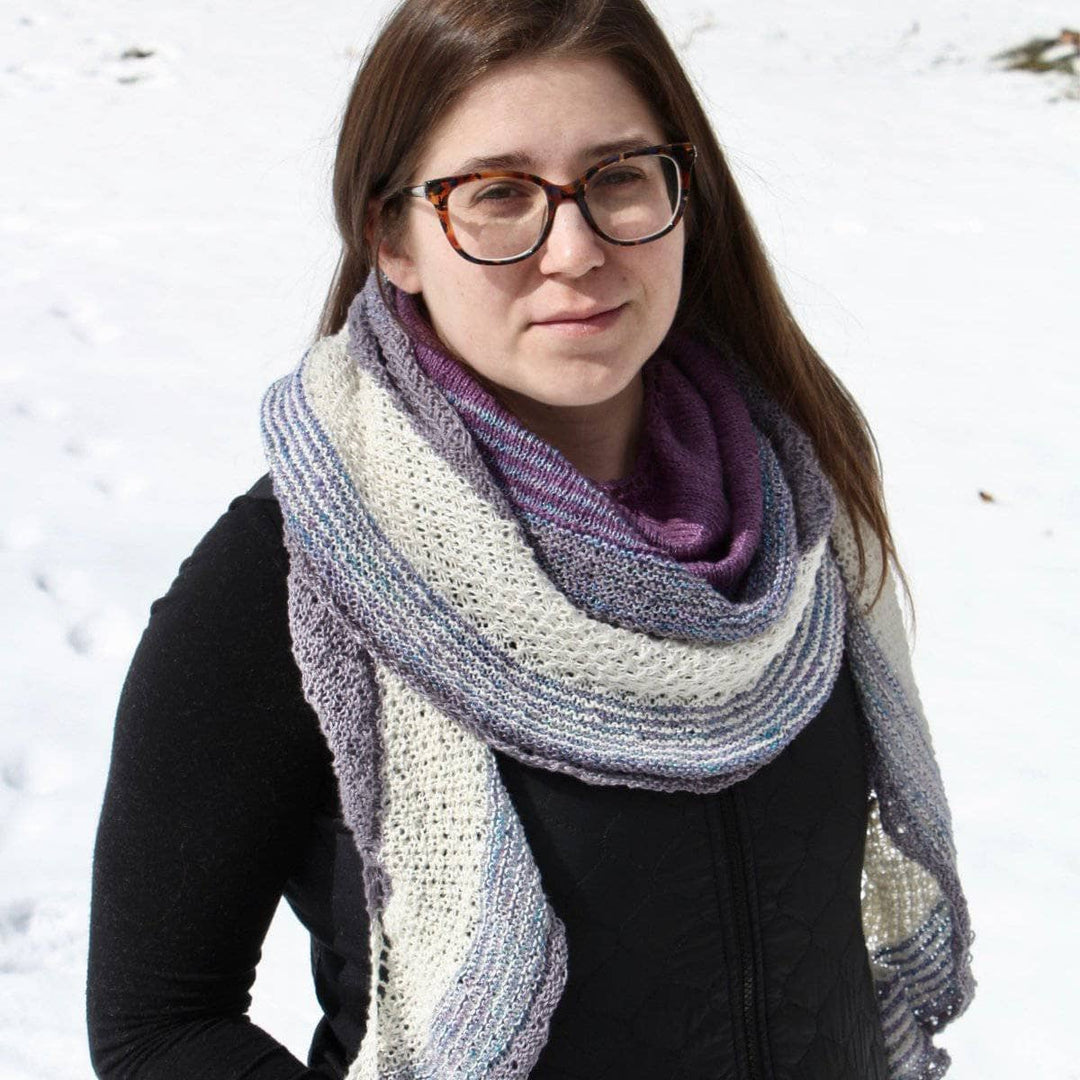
[710, 937]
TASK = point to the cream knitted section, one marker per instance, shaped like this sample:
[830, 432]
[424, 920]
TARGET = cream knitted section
[890, 914]
[435, 806]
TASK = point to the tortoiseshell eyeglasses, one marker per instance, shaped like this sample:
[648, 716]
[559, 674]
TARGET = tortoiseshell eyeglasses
[497, 217]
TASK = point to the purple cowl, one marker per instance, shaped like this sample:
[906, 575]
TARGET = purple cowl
[694, 493]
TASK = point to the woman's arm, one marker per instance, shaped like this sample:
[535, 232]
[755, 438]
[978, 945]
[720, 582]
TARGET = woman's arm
[217, 769]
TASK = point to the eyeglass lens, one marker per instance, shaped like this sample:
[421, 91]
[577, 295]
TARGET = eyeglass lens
[500, 217]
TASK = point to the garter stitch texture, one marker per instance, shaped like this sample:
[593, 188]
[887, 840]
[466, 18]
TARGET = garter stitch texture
[435, 619]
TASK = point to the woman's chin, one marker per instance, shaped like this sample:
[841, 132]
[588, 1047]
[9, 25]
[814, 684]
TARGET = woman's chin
[575, 385]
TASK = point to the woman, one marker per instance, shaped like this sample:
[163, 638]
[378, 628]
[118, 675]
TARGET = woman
[546, 674]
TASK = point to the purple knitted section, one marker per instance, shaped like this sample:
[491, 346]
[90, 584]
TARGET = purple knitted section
[694, 494]
[722, 385]
[695, 491]
[339, 682]
[815, 502]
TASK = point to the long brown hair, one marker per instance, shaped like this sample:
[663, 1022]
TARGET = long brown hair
[430, 51]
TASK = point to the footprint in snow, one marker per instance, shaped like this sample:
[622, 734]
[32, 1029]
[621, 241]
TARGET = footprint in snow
[123, 486]
[49, 409]
[42, 768]
[108, 632]
[85, 321]
[13, 773]
[92, 628]
[92, 447]
[97, 451]
[40, 933]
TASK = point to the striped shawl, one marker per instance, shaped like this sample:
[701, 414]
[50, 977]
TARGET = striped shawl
[433, 624]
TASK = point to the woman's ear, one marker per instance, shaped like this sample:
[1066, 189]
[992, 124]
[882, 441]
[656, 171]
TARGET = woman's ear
[393, 258]
[397, 264]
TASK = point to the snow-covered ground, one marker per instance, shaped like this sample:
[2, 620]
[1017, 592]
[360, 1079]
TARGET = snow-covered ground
[166, 242]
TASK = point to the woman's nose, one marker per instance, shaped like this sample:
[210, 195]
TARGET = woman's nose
[572, 247]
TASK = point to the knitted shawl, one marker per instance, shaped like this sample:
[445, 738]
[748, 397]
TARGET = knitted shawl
[434, 621]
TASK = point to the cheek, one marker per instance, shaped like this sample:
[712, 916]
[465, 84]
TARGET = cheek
[665, 273]
[440, 279]
[468, 313]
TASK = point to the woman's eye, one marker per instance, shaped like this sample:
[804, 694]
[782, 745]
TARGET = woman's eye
[500, 192]
[623, 174]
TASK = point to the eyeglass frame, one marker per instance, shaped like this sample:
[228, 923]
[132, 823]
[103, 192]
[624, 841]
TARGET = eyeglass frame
[437, 192]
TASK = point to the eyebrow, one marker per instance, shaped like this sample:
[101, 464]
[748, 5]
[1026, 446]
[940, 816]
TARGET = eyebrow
[519, 161]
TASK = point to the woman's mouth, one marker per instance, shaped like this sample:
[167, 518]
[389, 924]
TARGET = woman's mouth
[580, 323]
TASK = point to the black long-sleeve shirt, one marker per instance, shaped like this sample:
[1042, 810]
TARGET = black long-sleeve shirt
[709, 936]
[218, 771]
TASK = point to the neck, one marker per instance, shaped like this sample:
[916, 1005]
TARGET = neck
[599, 440]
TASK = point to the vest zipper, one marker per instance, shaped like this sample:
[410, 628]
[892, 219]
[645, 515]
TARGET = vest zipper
[739, 876]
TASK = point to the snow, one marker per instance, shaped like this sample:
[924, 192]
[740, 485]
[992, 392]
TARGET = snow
[167, 241]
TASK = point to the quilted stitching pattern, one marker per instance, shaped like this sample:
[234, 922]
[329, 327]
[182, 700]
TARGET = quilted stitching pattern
[807, 821]
[645, 988]
[632, 875]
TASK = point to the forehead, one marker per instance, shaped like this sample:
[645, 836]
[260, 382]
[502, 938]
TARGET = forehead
[547, 113]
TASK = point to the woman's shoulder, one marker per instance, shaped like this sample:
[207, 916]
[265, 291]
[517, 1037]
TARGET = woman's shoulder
[262, 491]
[240, 562]
[252, 521]
[223, 625]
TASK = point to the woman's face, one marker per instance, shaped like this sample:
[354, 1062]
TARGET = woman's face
[572, 324]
